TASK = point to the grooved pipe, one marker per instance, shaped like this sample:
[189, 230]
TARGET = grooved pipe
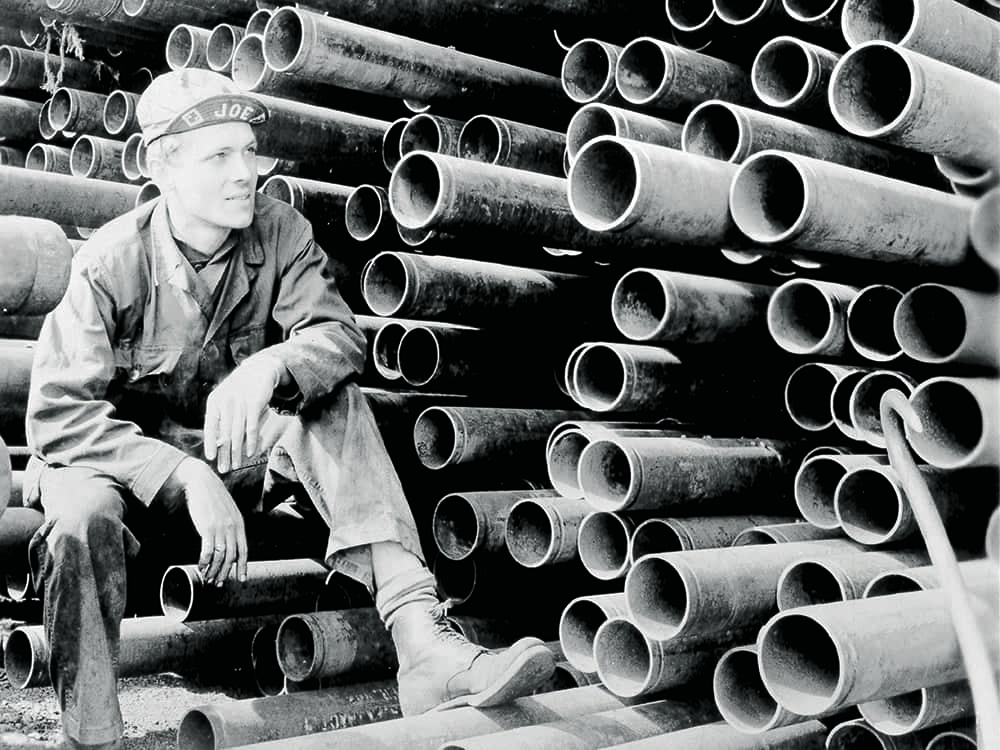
[187, 47]
[167, 13]
[816, 484]
[655, 75]
[97, 158]
[11, 157]
[793, 75]
[961, 426]
[506, 143]
[16, 357]
[835, 579]
[945, 30]
[984, 228]
[221, 46]
[25, 69]
[579, 623]
[36, 258]
[434, 133]
[134, 146]
[596, 119]
[75, 201]
[390, 143]
[248, 722]
[357, 57]
[334, 644]
[827, 656]
[663, 306]
[827, 208]
[271, 586]
[588, 71]
[700, 592]
[858, 733]
[543, 531]
[603, 543]
[879, 90]
[76, 111]
[809, 317]
[660, 535]
[566, 443]
[118, 115]
[866, 397]
[449, 435]
[942, 324]
[366, 213]
[257, 22]
[808, 393]
[741, 697]
[18, 118]
[651, 192]
[978, 574]
[149, 645]
[784, 533]
[264, 662]
[468, 522]
[321, 202]
[44, 157]
[869, 322]
[927, 707]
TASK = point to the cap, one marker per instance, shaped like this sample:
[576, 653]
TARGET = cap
[192, 98]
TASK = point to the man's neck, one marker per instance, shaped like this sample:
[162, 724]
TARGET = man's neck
[200, 237]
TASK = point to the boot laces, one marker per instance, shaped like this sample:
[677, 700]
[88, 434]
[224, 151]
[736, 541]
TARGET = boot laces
[447, 631]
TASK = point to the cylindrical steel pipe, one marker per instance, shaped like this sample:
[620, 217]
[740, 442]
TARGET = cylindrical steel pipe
[15, 375]
[167, 13]
[366, 213]
[603, 543]
[784, 533]
[941, 324]
[808, 393]
[11, 157]
[264, 661]
[978, 574]
[563, 449]
[816, 483]
[434, 133]
[26, 69]
[984, 228]
[866, 398]
[221, 45]
[809, 317]
[506, 143]
[18, 118]
[119, 113]
[793, 75]
[961, 425]
[579, 623]
[45, 157]
[187, 47]
[334, 644]
[588, 71]
[927, 707]
[660, 535]
[97, 158]
[543, 531]
[855, 733]
[596, 119]
[870, 322]
[36, 258]
[322, 203]
[809, 735]
[75, 111]
[75, 201]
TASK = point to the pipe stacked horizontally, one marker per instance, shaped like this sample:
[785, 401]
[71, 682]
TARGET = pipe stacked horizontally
[221, 46]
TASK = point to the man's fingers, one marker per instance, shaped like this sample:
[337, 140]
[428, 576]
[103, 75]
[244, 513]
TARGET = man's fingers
[211, 435]
[230, 556]
[237, 433]
[253, 430]
[218, 555]
[205, 560]
[241, 553]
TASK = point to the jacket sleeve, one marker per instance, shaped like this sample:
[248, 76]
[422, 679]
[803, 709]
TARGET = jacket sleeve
[69, 421]
[323, 345]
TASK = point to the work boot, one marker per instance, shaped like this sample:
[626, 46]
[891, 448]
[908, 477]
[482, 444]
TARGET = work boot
[438, 667]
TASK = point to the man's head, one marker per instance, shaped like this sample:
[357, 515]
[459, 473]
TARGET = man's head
[201, 147]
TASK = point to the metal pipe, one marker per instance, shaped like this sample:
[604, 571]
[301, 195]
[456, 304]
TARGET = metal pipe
[959, 420]
[984, 228]
[743, 14]
[879, 90]
[63, 199]
[817, 12]
[334, 644]
[603, 543]
[434, 133]
[958, 738]
[543, 531]
[118, 115]
[978, 574]
[792, 75]
[269, 166]
[264, 663]
[390, 143]
[321, 202]
[42, 126]
[809, 735]
[147, 192]
[808, 393]
[11, 157]
[221, 45]
[17, 527]
[942, 324]
[257, 22]
[836, 579]
[130, 156]
[15, 375]
[588, 71]
[248, 722]
[36, 259]
[655, 75]
[973, 179]
[866, 397]
[44, 157]
[696, 592]
[76, 111]
[506, 143]
[366, 213]
[468, 522]
[741, 697]
[18, 118]
[660, 535]
[187, 47]
[25, 69]
[816, 483]
[970, 43]
[857, 733]
[651, 192]
[927, 707]
[271, 586]
[579, 623]
[168, 13]
[827, 656]
[840, 403]
[385, 348]
[663, 306]
[567, 441]
[596, 119]
[97, 158]
[809, 317]
[784, 533]
[869, 322]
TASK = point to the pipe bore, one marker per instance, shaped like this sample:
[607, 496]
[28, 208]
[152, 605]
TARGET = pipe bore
[953, 423]
[690, 15]
[588, 71]
[810, 10]
[624, 661]
[600, 377]
[866, 399]
[296, 647]
[385, 350]
[655, 536]
[83, 158]
[642, 71]
[808, 582]
[530, 534]
[740, 694]
[249, 68]
[815, 484]
[930, 323]
[258, 22]
[221, 46]
[603, 545]
[436, 436]
[21, 660]
[177, 592]
[481, 139]
[801, 318]
[589, 122]
[642, 304]
[870, 322]
[840, 403]
[871, 90]
[900, 714]
[800, 663]
[266, 672]
[390, 143]
[607, 475]
[366, 209]
[284, 39]
[563, 461]
[715, 130]
[184, 49]
[657, 597]
[456, 527]
[807, 395]
[119, 112]
[419, 356]
[416, 190]
[786, 72]
[455, 579]
[740, 12]
[386, 285]
[578, 626]
[769, 197]
[196, 731]
[871, 505]
[44, 157]
[857, 735]
[64, 108]
[604, 185]
[891, 583]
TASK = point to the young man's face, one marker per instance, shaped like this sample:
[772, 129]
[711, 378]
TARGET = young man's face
[212, 176]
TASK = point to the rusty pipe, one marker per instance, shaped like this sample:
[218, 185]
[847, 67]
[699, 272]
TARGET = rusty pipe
[221, 45]
[870, 322]
[97, 158]
[660, 535]
[792, 75]
[18, 118]
[507, 143]
[816, 483]
[321, 202]
[36, 258]
[118, 115]
[588, 71]
[75, 201]
[941, 324]
[76, 111]
[167, 13]
[828, 208]
[866, 397]
[959, 422]
[652, 74]
[978, 574]
[543, 531]
[44, 157]
[697, 593]
[335, 644]
[880, 90]
[25, 69]
[911, 712]
[271, 586]
[566, 443]
[596, 119]
[808, 394]
[434, 133]
[809, 317]
[187, 47]
[579, 623]
[264, 662]
[984, 228]
[604, 543]
[741, 697]
[784, 533]
[366, 213]
[826, 656]
[464, 523]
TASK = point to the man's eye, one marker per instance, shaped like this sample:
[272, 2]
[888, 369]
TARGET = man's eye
[252, 150]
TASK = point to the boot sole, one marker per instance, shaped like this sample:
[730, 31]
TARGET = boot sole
[524, 674]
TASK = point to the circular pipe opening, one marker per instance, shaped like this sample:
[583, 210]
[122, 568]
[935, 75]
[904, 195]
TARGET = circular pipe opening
[740, 694]
[640, 305]
[385, 350]
[196, 731]
[657, 597]
[984, 229]
[740, 12]
[480, 140]
[898, 714]
[888, 584]
[415, 190]
[654, 536]
[264, 660]
[930, 323]
[853, 735]
[385, 284]
[421, 133]
[283, 38]
[870, 322]
[455, 525]
[133, 7]
[578, 626]
[529, 534]
[952, 420]
[800, 317]
[563, 461]
[147, 191]
[296, 648]
[456, 579]
[783, 72]
[19, 659]
[249, 66]
[690, 15]
[8, 65]
[869, 506]
[180, 47]
[871, 89]
[37, 158]
[865, 403]
[603, 545]
[279, 188]
[754, 536]
[878, 20]
[177, 593]
[768, 198]
[119, 111]
[800, 663]
[258, 22]
[390, 143]
[606, 475]
[815, 484]
[810, 10]
[364, 212]
[713, 129]
[83, 157]
[808, 582]
[840, 403]
[624, 662]
[63, 109]
[221, 46]
[641, 70]
[130, 157]
[435, 436]
[807, 396]
[589, 122]
[419, 356]
[45, 128]
[588, 71]
[599, 378]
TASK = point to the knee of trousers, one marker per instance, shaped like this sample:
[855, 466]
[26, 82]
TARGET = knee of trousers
[91, 518]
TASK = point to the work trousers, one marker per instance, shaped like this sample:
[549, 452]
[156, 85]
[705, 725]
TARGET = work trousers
[332, 452]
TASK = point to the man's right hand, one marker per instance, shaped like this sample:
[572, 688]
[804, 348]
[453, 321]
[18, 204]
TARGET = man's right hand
[216, 519]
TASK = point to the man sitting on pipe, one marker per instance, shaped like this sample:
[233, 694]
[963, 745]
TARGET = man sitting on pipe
[215, 303]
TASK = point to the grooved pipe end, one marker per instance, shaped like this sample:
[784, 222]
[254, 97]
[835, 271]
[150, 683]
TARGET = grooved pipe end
[718, 130]
[740, 694]
[644, 70]
[221, 46]
[25, 658]
[248, 65]
[604, 545]
[297, 648]
[563, 461]
[626, 662]
[642, 304]
[437, 437]
[178, 589]
[804, 319]
[953, 420]
[387, 284]
[601, 377]
[872, 89]
[588, 70]
[658, 596]
[482, 139]
[930, 323]
[288, 37]
[769, 197]
[456, 527]
[784, 72]
[64, 108]
[84, 159]
[814, 487]
[198, 731]
[800, 663]
[390, 143]
[609, 475]
[181, 51]
[365, 211]
[870, 322]
[418, 189]
[531, 533]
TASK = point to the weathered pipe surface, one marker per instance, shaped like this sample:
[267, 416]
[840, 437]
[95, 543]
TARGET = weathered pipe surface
[385, 346]
[166, 13]
[579, 623]
[366, 214]
[840, 403]
[450, 435]
[870, 322]
[604, 543]
[816, 483]
[961, 426]
[147, 192]
[599, 730]
[827, 656]
[390, 143]
[659, 535]
[75, 201]
[149, 645]
[827, 208]
[543, 531]
[866, 397]
[221, 46]
[784, 533]
[941, 324]
[264, 662]
[858, 733]
[808, 393]
[246, 722]
[654, 75]
[910, 712]
[332, 644]
[588, 71]
[836, 579]
[434, 133]
[809, 317]
[879, 90]
[596, 119]
[945, 30]
[46, 157]
[250, 72]
[271, 586]
[468, 522]
[11, 157]
[687, 473]
[15, 375]
[25, 69]
[323, 203]
[793, 75]
[965, 179]
[269, 166]
[36, 257]
[75, 111]
[6, 478]
[984, 228]
[651, 192]
[357, 57]
[663, 306]
[809, 735]
[17, 526]
[741, 697]
[187, 47]
[257, 22]
[18, 118]
[131, 152]
[978, 574]
[506, 143]
[700, 592]
[564, 446]
[964, 737]
[119, 113]
[97, 158]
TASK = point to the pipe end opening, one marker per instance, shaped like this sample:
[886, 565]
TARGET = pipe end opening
[800, 317]
[640, 305]
[800, 664]
[296, 648]
[953, 423]
[623, 658]
[455, 527]
[599, 378]
[768, 198]
[177, 592]
[435, 436]
[654, 536]
[284, 38]
[808, 582]
[740, 694]
[415, 189]
[603, 543]
[603, 185]
[807, 396]
[588, 71]
[480, 140]
[196, 731]
[641, 71]
[248, 64]
[530, 534]
[657, 597]
[930, 323]
[870, 89]
[606, 475]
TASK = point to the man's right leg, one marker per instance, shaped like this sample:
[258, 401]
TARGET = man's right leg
[79, 554]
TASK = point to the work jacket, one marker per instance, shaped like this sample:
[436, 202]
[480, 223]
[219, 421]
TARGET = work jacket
[138, 340]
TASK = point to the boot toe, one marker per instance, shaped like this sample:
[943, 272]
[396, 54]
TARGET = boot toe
[498, 677]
